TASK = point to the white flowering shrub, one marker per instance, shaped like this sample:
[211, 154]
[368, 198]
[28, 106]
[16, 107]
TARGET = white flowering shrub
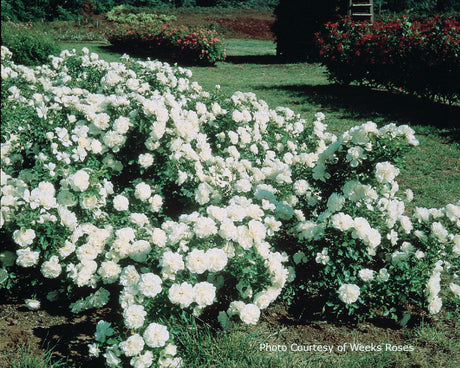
[131, 184]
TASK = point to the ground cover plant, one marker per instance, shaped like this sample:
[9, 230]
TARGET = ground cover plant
[419, 56]
[203, 160]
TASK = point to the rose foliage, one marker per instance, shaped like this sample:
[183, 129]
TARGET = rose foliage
[130, 184]
[418, 56]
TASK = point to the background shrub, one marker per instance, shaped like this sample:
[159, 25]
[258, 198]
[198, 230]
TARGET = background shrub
[190, 45]
[419, 57]
[29, 47]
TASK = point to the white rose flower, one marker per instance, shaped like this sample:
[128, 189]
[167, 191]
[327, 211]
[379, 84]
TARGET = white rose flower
[143, 191]
[435, 305]
[133, 345]
[122, 125]
[217, 259]
[109, 272]
[197, 261]
[156, 202]
[51, 268]
[120, 203]
[250, 314]
[366, 274]
[24, 237]
[146, 160]
[182, 294]
[156, 335]
[143, 360]
[349, 293]
[204, 227]
[134, 316]
[385, 172]
[27, 257]
[150, 284]
[80, 180]
[32, 304]
[204, 293]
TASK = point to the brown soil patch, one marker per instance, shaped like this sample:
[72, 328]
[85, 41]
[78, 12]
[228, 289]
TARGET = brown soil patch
[230, 23]
[235, 23]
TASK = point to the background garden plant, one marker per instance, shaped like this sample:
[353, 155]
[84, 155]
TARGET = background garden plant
[418, 56]
[190, 208]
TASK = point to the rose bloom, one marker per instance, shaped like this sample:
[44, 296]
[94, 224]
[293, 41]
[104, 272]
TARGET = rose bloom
[205, 226]
[250, 314]
[24, 237]
[133, 345]
[217, 259]
[435, 305]
[80, 180]
[51, 269]
[27, 257]
[172, 262]
[120, 203]
[143, 361]
[349, 293]
[342, 221]
[204, 293]
[134, 316]
[385, 172]
[150, 284]
[366, 274]
[146, 160]
[156, 335]
[142, 191]
[182, 294]
[155, 203]
[109, 272]
[32, 304]
[197, 261]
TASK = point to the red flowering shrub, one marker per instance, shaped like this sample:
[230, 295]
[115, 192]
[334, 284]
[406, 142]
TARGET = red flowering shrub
[419, 57]
[180, 43]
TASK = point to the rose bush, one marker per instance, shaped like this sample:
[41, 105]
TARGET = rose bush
[416, 56]
[196, 45]
[131, 184]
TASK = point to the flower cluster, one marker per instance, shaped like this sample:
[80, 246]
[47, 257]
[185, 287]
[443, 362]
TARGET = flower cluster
[128, 180]
[417, 56]
[175, 42]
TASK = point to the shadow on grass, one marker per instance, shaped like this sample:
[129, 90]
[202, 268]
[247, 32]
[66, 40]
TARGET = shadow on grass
[254, 59]
[70, 342]
[164, 56]
[382, 106]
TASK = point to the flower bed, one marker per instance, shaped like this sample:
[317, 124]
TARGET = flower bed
[180, 43]
[419, 56]
[130, 184]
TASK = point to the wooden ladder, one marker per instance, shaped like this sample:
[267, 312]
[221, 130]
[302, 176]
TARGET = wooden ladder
[361, 10]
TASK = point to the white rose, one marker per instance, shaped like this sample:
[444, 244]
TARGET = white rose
[146, 160]
[204, 293]
[134, 316]
[156, 335]
[349, 293]
[250, 314]
[133, 345]
[120, 203]
[80, 180]
[143, 191]
[24, 237]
